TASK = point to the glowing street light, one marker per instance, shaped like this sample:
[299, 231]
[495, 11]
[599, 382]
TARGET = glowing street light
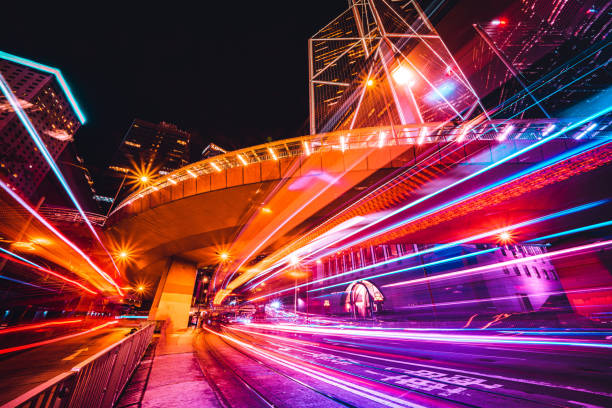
[224, 256]
[244, 162]
[505, 237]
[370, 82]
[272, 153]
[144, 179]
[403, 76]
[141, 288]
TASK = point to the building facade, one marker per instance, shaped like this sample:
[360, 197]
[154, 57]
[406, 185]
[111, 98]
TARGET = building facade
[147, 149]
[394, 281]
[43, 96]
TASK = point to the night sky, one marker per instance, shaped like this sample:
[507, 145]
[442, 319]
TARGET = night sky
[234, 73]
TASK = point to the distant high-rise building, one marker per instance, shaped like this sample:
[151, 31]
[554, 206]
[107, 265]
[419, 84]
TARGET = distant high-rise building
[381, 64]
[150, 149]
[43, 96]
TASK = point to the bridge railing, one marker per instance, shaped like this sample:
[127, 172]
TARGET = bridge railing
[96, 382]
[376, 137]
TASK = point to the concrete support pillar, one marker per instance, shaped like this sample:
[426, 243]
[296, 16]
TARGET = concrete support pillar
[172, 300]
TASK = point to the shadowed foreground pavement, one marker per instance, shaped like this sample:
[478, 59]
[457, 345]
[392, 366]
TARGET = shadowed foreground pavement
[169, 375]
[238, 366]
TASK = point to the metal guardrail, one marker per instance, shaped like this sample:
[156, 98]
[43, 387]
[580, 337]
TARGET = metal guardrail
[96, 382]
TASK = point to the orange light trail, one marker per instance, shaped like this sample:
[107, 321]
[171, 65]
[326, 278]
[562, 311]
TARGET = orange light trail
[16, 258]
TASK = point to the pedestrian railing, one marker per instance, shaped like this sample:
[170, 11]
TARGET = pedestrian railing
[96, 382]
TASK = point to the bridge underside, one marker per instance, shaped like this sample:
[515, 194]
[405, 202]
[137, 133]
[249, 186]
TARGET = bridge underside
[261, 208]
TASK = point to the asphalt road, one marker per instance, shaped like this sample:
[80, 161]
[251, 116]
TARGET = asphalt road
[22, 371]
[382, 372]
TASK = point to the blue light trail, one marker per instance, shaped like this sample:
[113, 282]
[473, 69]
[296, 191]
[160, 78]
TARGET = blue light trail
[51, 70]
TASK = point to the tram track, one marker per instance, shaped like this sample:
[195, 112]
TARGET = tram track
[228, 395]
[502, 398]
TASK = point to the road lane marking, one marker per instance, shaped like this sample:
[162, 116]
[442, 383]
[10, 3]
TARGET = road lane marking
[76, 353]
[497, 377]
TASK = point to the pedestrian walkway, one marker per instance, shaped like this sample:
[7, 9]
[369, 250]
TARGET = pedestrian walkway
[169, 375]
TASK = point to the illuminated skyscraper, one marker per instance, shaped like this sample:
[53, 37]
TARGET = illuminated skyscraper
[45, 99]
[150, 149]
[382, 63]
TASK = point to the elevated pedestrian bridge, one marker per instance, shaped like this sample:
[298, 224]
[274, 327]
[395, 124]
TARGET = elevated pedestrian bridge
[253, 201]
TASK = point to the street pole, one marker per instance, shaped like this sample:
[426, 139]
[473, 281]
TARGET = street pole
[116, 195]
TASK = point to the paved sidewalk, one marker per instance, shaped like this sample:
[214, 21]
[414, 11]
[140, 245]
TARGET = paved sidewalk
[169, 375]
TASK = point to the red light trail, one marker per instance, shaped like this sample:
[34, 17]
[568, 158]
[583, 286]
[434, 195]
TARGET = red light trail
[43, 221]
[56, 339]
[38, 326]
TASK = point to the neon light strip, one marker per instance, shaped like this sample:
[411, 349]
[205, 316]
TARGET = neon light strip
[55, 340]
[51, 70]
[59, 235]
[37, 326]
[49, 159]
[502, 264]
[572, 231]
[57, 275]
